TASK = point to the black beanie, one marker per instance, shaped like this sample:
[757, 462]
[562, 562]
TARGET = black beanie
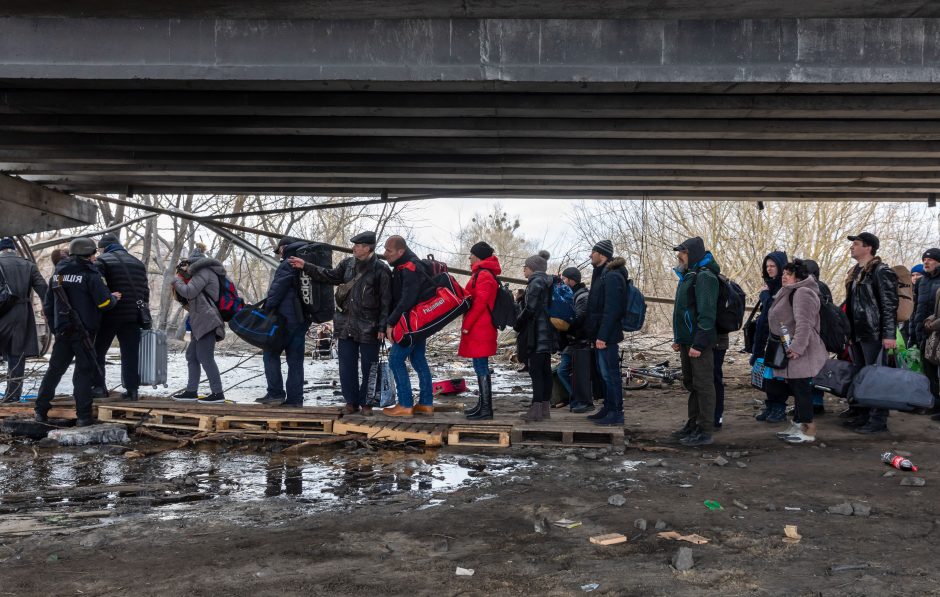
[481, 250]
[107, 240]
[572, 273]
[605, 248]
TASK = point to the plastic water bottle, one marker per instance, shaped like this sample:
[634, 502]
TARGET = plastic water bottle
[899, 462]
[785, 336]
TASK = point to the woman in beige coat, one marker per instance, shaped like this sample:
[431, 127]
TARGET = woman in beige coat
[796, 308]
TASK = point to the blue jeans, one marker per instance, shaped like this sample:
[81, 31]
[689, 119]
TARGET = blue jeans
[294, 347]
[608, 362]
[564, 371]
[396, 362]
[481, 366]
[352, 354]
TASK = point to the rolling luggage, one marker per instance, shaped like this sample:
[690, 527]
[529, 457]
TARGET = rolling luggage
[153, 358]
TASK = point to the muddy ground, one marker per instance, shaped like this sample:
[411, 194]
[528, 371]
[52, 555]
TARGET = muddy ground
[245, 520]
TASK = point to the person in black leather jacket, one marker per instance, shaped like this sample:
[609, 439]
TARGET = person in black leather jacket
[871, 304]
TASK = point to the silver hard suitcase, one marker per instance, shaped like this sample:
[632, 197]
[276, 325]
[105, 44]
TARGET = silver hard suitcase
[153, 358]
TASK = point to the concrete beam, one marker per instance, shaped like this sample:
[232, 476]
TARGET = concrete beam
[29, 207]
[478, 53]
[509, 9]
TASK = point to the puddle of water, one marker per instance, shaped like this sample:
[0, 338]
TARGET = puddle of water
[317, 483]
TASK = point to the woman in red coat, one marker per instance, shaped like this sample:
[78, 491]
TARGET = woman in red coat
[478, 334]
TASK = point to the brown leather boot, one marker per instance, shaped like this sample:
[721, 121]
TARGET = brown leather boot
[366, 411]
[398, 411]
[534, 413]
[422, 409]
[350, 409]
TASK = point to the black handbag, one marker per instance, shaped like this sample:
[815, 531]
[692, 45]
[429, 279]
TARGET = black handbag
[775, 356]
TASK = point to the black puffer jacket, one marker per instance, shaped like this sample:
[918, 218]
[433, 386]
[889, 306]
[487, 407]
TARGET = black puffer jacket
[365, 310]
[87, 296]
[871, 297]
[533, 320]
[126, 274]
[926, 292]
[410, 279]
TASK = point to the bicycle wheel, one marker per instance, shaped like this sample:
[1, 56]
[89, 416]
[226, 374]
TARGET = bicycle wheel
[635, 383]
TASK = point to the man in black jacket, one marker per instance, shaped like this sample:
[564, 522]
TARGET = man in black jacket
[926, 302]
[18, 338]
[871, 304]
[283, 297]
[409, 278]
[363, 297]
[126, 274]
[75, 320]
[607, 303]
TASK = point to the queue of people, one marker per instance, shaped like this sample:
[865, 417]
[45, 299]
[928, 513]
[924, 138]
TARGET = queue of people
[93, 298]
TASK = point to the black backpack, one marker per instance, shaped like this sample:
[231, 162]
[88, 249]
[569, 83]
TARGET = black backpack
[731, 304]
[316, 298]
[834, 326]
[504, 308]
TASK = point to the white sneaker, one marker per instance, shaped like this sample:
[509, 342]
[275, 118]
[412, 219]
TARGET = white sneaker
[793, 429]
[800, 438]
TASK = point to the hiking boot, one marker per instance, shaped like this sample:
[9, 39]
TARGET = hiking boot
[41, 417]
[289, 404]
[85, 422]
[366, 411]
[613, 419]
[350, 409]
[698, 438]
[426, 410]
[213, 399]
[398, 411]
[99, 392]
[534, 414]
[762, 415]
[130, 396]
[778, 413]
[269, 399]
[686, 430]
[187, 396]
[872, 427]
[581, 407]
[599, 414]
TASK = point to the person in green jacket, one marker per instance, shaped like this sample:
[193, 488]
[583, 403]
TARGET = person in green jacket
[695, 336]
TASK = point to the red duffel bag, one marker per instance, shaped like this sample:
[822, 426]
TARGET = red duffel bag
[447, 303]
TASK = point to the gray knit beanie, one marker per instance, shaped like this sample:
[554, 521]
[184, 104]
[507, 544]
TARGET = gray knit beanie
[539, 262]
[605, 248]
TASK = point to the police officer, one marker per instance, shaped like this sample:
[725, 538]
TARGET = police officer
[75, 319]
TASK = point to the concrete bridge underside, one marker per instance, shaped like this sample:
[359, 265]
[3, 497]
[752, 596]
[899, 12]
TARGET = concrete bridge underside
[739, 108]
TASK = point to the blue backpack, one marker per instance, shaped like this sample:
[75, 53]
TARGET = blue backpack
[635, 313]
[561, 305]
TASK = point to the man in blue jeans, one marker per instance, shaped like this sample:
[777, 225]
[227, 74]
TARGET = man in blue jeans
[409, 278]
[607, 303]
[575, 340]
[283, 298]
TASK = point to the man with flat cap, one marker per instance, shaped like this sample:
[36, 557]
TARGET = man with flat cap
[363, 300]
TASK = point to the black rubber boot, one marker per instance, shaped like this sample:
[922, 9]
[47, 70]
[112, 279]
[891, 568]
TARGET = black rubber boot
[476, 408]
[485, 411]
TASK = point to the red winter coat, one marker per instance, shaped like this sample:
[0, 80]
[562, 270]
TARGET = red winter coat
[480, 339]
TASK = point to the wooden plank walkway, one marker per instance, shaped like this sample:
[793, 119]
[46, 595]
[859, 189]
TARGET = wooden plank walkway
[446, 426]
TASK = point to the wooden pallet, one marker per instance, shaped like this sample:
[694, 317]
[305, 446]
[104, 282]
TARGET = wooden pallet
[566, 434]
[157, 418]
[432, 435]
[58, 411]
[479, 436]
[274, 425]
